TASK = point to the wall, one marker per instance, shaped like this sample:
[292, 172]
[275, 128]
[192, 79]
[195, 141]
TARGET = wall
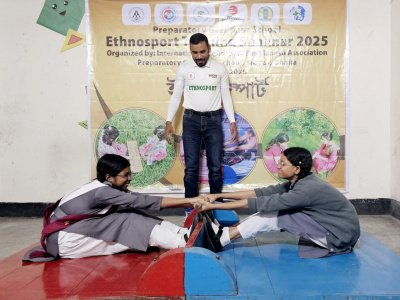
[369, 95]
[42, 98]
[44, 152]
[395, 99]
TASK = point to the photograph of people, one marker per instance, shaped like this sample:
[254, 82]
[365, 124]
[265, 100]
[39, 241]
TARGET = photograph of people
[305, 205]
[138, 135]
[155, 148]
[113, 220]
[108, 142]
[326, 156]
[245, 148]
[274, 150]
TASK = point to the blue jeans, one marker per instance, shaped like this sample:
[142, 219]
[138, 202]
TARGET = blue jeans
[206, 128]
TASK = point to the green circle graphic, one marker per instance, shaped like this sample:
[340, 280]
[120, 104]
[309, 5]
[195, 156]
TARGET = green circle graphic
[139, 125]
[301, 127]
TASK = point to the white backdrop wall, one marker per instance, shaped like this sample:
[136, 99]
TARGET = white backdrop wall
[44, 152]
[395, 99]
[369, 99]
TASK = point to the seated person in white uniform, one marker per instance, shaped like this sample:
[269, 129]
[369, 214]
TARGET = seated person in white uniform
[115, 221]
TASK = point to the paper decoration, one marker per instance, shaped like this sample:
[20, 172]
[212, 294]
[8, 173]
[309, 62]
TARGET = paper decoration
[61, 15]
[83, 124]
[72, 40]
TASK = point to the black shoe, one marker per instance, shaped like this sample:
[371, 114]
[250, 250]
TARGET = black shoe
[212, 240]
[197, 217]
[216, 241]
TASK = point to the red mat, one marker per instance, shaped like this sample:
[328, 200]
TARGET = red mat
[112, 276]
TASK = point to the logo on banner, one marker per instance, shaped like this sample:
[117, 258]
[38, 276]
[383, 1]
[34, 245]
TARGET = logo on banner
[265, 13]
[233, 12]
[168, 14]
[190, 76]
[136, 14]
[297, 13]
[200, 14]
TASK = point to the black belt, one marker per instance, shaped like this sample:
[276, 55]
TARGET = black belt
[204, 113]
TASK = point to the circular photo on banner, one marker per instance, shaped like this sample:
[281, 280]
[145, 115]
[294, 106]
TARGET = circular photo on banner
[302, 127]
[239, 158]
[138, 135]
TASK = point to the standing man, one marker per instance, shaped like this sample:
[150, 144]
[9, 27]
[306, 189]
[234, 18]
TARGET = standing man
[204, 83]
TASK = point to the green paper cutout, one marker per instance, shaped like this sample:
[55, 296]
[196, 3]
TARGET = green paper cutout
[60, 15]
[83, 124]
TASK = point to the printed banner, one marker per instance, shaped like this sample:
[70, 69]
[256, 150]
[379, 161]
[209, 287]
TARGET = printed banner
[287, 77]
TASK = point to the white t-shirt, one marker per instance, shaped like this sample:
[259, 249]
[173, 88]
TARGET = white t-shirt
[203, 88]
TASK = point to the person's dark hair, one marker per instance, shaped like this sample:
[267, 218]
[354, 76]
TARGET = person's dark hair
[160, 132]
[197, 38]
[300, 157]
[111, 164]
[328, 135]
[280, 138]
[250, 130]
[109, 131]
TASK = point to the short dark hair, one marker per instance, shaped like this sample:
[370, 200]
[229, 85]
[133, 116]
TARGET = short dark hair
[250, 130]
[280, 138]
[110, 131]
[110, 164]
[300, 157]
[160, 132]
[197, 38]
[328, 135]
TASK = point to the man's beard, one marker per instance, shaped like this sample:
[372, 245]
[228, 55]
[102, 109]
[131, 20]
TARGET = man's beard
[201, 62]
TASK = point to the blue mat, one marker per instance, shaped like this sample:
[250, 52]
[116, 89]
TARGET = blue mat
[268, 267]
